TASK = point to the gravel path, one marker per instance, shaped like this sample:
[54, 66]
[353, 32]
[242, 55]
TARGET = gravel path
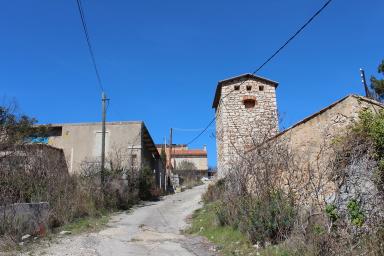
[152, 229]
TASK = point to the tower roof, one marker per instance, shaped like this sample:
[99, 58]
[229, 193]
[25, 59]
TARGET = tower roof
[231, 80]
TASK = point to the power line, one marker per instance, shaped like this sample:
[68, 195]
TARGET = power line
[188, 129]
[87, 37]
[267, 61]
[294, 35]
[203, 131]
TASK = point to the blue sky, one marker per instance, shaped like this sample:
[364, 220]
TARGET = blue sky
[160, 60]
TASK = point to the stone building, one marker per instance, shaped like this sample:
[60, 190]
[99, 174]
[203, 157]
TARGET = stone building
[302, 159]
[316, 132]
[311, 143]
[246, 114]
[128, 141]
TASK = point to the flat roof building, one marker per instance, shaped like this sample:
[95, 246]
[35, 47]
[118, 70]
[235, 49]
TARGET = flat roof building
[181, 154]
[81, 143]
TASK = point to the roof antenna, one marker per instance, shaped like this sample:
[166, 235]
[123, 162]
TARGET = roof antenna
[362, 74]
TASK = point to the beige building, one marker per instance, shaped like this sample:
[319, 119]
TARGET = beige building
[317, 131]
[181, 154]
[311, 142]
[81, 143]
[246, 113]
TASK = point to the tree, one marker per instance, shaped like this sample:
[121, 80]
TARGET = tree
[378, 84]
[15, 128]
[186, 166]
[163, 156]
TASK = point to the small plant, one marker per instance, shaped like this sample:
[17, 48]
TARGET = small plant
[221, 213]
[318, 229]
[214, 192]
[355, 213]
[331, 211]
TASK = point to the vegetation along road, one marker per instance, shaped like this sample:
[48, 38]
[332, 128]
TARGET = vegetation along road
[152, 229]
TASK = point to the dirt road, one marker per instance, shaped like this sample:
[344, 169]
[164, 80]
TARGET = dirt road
[152, 229]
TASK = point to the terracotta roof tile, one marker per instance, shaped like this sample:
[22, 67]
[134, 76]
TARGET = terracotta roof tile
[189, 152]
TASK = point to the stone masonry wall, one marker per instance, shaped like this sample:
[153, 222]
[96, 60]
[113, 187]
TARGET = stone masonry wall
[239, 128]
[311, 140]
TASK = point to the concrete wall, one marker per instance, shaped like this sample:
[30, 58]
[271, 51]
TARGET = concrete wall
[239, 128]
[181, 152]
[82, 142]
[200, 162]
[26, 218]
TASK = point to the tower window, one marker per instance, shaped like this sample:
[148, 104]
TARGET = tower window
[249, 87]
[249, 101]
[261, 88]
[237, 87]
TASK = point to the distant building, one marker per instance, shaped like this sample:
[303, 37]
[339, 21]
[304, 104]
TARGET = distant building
[81, 143]
[181, 155]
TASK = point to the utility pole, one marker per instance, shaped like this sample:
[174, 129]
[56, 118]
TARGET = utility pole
[170, 150]
[166, 165]
[102, 171]
[362, 74]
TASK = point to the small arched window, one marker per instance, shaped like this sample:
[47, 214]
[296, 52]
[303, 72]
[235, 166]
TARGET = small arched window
[249, 101]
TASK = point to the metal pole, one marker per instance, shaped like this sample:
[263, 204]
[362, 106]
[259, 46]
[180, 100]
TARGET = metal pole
[170, 150]
[102, 171]
[166, 165]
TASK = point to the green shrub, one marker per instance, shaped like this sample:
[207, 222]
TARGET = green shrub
[147, 185]
[355, 213]
[269, 218]
[371, 127]
[214, 191]
[222, 215]
[331, 211]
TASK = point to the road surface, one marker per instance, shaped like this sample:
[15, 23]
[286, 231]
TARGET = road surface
[152, 229]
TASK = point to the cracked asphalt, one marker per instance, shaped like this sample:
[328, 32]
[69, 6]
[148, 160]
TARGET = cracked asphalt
[151, 229]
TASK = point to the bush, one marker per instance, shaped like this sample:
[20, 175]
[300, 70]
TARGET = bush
[355, 214]
[370, 129]
[70, 197]
[147, 185]
[270, 218]
[214, 191]
[265, 219]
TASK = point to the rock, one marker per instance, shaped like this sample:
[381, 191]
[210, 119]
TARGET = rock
[64, 232]
[25, 237]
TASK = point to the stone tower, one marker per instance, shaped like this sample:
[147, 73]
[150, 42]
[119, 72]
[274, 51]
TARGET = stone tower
[246, 114]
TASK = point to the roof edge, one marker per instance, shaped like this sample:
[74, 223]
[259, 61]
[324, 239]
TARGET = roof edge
[246, 75]
[94, 123]
[359, 97]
